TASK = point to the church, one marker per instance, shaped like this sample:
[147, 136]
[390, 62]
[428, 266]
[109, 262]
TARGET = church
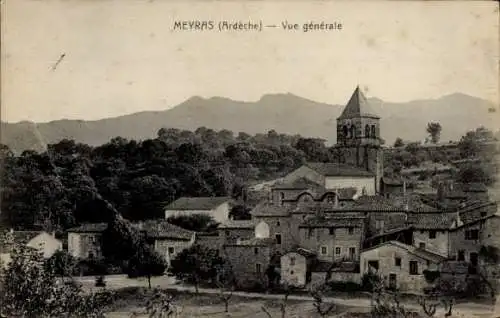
[360, 160]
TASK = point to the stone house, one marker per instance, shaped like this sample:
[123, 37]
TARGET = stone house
[233, 230]
[216, 207]
[250, 260]
[333, 238]
[296, 267]
[167, 239]
[399, 264]
[85, 241]
[432, 231]
[465, 241]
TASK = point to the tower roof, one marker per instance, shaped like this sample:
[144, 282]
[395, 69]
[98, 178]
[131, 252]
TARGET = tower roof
[357, 106]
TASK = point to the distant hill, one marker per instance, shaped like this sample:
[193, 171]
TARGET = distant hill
[285, 113]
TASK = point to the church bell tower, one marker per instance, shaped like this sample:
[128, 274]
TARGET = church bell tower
[358, 136]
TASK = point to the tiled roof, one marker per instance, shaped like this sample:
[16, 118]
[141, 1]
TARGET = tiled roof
[266, 209]
[388, 232]
[333, 222]
[413, 250]
[161, 229]
[357, 106]
[238, 224]
[302, 251]
[89, 228]
[331, 169]
[197, 203]
[432, 221]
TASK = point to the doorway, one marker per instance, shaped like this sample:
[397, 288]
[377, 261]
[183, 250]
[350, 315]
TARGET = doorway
[393, 283]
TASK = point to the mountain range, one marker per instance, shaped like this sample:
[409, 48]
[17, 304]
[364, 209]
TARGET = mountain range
[285, 113]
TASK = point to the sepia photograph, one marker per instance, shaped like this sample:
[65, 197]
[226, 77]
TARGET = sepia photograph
[267, 159]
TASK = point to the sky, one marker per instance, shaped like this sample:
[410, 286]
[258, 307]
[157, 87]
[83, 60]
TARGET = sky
[123, 56]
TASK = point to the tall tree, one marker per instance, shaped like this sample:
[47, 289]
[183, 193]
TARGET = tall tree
[434, 130]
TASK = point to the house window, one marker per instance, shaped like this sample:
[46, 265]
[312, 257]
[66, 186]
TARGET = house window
[227, 232]
[351, 231]
[278, 238]
[310, 233]
[413, 268]
[278, 223]
[472, 234]
[367, 131]
[337, 251]
[397, 261]
[257, 268]
[483, 213]
[374, 133]
[421, 245]
[332, 231]
[256, 250]
[292, 261]
[291, 272]
[323, 250]
[461, 255]
[432, 234]
[171, 250]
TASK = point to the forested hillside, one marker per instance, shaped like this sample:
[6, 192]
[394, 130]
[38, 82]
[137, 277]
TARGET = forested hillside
[71, 183]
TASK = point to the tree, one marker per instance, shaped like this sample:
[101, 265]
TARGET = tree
[32, 289]
[146, 263]
[197, 264]
[434, 130]
[398, 143]
[194, 222]
[322, 308]
[476, 172]
[225, 281]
